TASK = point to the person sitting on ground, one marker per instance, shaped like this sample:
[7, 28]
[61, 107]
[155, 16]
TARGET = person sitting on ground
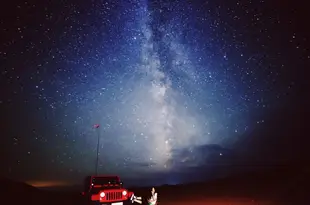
[153, 199]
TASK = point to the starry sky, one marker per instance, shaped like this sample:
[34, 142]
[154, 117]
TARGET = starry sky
[174, 85]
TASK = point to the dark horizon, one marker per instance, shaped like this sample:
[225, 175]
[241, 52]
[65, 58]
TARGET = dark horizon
[272, 174]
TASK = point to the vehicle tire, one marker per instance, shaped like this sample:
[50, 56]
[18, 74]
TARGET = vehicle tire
[93, 203]
[127, 202]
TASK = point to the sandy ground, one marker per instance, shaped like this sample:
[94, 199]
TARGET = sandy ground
[187, 200]
[217, 201]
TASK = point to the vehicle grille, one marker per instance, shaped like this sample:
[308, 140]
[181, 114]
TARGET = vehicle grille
[114, 196]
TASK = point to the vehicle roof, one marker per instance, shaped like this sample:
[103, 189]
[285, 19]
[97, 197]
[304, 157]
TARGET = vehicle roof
[105, 176]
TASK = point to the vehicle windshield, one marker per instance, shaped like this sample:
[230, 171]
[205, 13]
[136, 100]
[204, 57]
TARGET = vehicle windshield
[105, 180]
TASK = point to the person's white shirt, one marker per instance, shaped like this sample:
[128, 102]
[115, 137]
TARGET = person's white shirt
[153, 199]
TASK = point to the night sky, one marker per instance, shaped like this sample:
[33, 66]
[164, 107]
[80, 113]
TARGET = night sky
[177, 87]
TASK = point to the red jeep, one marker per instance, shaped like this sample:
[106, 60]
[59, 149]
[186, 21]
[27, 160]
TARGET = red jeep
[105, 190]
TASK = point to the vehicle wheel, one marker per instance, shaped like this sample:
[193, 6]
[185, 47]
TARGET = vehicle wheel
[93, 203]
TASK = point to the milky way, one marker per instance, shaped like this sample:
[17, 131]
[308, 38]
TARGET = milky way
[152, 115]
[173, 84]
[160, 101]
[155, 110]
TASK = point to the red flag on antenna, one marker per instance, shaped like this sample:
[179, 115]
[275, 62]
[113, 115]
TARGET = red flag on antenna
[96, 125]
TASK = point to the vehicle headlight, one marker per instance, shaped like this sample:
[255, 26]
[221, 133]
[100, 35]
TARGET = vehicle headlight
[102, 194]
[124, 193]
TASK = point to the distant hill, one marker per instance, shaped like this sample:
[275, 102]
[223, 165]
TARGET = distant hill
[18, 192]
[8, 185]
[12, 191]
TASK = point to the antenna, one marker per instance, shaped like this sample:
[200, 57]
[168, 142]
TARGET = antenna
[97, 126]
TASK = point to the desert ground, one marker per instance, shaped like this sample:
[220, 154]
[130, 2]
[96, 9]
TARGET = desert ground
[221, 197]
[219, 201]
[168, 198]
